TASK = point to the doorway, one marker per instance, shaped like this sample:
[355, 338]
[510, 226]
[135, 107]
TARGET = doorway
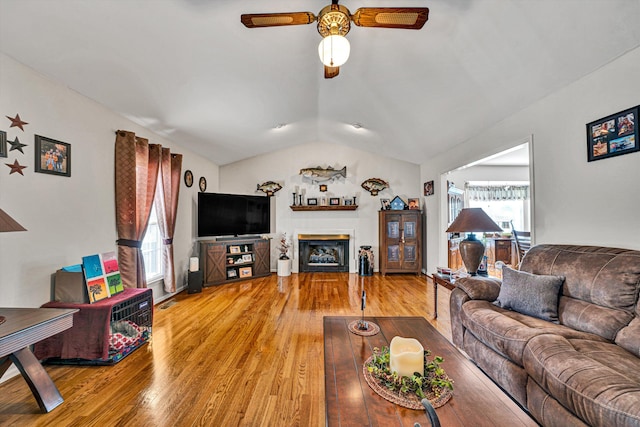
[501, 184]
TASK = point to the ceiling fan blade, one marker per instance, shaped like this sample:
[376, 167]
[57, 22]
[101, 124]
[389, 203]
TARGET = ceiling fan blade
[331, 72]
[255, 20]
[411, 18]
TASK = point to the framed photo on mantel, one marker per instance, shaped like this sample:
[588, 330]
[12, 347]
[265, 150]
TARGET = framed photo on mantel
[613, 135]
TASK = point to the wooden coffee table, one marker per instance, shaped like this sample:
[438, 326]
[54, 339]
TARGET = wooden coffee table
[476, 400]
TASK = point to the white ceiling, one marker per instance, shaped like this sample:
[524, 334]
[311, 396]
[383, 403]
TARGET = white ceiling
[189, 70]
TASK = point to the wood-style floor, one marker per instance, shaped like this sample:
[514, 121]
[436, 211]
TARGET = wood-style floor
[248, 353]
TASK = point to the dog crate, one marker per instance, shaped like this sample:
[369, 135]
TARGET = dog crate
[130, 324]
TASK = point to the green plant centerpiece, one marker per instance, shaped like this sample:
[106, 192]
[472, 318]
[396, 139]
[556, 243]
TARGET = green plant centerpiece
[406, 391]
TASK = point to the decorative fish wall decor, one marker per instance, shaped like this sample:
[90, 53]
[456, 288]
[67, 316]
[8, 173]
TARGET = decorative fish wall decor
[375, 185]
[269, 187]
[322, 175]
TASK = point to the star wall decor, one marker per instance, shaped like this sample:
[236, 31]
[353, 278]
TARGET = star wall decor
[17, 145]
[16, 121]
[15, 167]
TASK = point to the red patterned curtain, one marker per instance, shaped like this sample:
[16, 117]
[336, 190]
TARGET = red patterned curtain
[166, 207]
[136, 175]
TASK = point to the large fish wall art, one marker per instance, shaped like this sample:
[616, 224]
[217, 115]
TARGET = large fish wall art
[319, 174]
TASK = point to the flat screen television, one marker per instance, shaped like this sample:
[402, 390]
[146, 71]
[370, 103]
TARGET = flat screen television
[233, 214]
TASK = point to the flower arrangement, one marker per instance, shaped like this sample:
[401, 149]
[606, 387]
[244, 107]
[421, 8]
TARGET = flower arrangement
[284, 246]
[434, 382]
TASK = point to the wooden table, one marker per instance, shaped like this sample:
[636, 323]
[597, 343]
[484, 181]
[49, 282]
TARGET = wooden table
[476, 400]
[24, 327]
[441, 280]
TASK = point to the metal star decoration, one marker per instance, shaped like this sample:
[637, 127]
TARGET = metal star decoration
[15, 167]
[16, 121]
[17, 145]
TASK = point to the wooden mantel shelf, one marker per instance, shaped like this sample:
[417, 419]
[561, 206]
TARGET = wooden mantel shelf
[324, 208]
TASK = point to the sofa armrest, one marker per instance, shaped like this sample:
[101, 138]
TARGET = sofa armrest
[480, 288]
[468, 288]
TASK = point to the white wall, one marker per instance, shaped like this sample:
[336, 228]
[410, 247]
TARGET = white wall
[284, 167]
[68, 218]
[576, 201]
[488, 173]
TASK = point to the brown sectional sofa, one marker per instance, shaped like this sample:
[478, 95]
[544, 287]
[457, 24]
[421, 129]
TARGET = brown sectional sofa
[581, 369]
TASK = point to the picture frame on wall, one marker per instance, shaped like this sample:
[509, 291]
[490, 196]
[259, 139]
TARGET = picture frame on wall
[52, 157]
[334, 201]
[188, 178]
[613, 135]
[312, 201]
[428, 188]
[3, 143]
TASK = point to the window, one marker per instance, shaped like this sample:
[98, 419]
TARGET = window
[504, 211]
[152, 248]
[502, 201]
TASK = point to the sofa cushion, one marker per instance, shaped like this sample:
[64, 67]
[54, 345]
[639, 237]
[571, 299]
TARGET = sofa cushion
[606, 278]
[597, 381]
[629, 337]
[532, 294]
[508, 332]
[587, 317]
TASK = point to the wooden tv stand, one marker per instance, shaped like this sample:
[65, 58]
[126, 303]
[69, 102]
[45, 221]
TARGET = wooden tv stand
[226, 261]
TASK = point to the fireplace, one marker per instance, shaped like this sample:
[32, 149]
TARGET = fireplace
[323, 252]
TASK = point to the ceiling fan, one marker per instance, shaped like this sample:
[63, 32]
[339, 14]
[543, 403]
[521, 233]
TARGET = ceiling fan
[334, 22]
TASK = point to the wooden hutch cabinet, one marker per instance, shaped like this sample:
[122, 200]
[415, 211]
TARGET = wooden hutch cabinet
[400, 239]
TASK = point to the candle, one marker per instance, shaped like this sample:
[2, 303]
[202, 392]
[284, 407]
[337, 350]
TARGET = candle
[406, 356]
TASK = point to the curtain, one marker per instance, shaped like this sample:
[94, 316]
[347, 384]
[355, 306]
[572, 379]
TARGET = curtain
[166, 207]
[136, 174]
[497, 192]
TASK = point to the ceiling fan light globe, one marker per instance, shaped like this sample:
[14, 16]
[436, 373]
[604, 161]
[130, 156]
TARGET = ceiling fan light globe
[334, 50]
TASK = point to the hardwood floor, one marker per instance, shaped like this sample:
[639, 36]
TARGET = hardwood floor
[248, 353]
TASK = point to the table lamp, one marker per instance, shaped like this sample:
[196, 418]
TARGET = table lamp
[9, 224]
[471, 220]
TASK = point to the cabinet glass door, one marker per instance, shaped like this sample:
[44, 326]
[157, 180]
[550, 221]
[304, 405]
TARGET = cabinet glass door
[393, 230]
[393, 253]
[410, 230]
[410, 253]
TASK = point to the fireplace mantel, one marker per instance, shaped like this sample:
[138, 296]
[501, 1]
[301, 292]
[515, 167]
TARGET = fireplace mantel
[324, 208]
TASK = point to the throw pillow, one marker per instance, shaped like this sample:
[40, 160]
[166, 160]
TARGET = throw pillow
[530, 294]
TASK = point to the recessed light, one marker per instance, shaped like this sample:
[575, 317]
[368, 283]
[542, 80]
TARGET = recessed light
[279, 125]
[357, 125]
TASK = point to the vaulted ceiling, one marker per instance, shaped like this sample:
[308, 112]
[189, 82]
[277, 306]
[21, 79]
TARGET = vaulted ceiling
[189, 70]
